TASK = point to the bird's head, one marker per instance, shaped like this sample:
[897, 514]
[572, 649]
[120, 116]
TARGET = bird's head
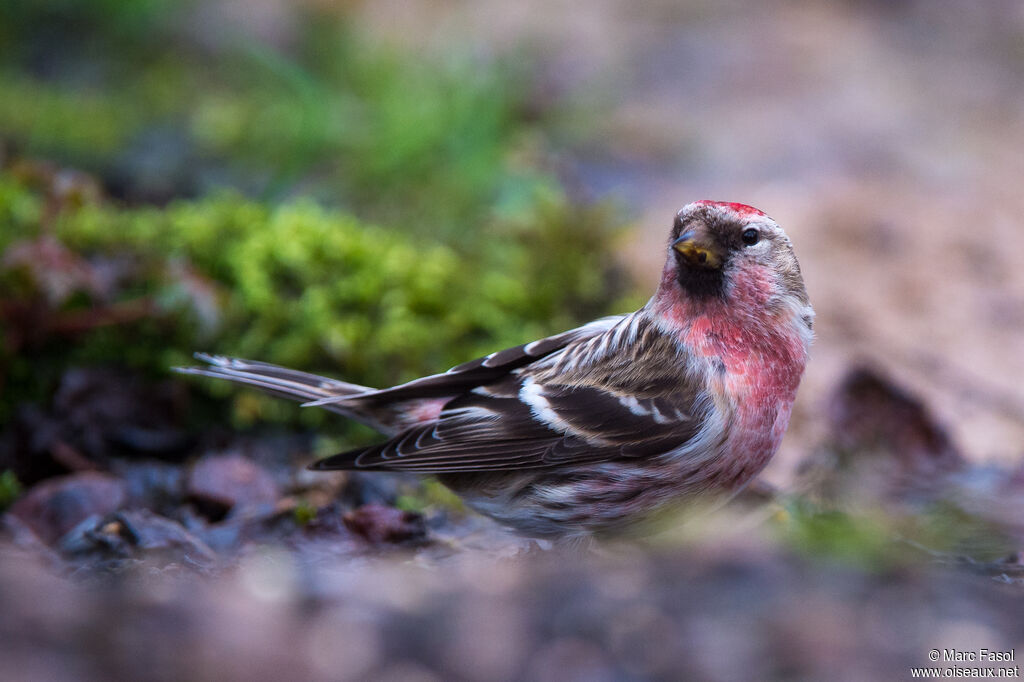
[723, 250]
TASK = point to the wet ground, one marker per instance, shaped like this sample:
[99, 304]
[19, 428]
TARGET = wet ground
[718, 615]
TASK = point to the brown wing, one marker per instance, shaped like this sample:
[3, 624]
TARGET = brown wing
[626, 403]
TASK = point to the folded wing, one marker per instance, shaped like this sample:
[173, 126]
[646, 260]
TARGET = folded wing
[623, 402]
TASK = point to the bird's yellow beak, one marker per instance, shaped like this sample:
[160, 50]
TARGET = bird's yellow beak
[698, 249]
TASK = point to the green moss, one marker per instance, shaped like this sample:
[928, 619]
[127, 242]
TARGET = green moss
[944, 527]
[75, 123]
[10, 488]
[886, 537]
[433, 230]
[869, 541]
[301, 285]
[304, 512]
[428, 495]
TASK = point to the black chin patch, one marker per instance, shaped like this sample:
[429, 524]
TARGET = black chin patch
[700, 282]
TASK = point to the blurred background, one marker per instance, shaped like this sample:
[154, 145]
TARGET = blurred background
[381, 190]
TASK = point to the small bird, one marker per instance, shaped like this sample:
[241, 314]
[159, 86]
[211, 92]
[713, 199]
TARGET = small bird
[591, 429]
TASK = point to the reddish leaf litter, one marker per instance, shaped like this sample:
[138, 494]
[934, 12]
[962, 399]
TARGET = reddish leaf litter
[379, 524]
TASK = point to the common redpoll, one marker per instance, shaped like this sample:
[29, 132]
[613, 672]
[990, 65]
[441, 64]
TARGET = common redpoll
[601, 425]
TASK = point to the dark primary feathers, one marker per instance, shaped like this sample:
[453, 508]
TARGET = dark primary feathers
[274, 379]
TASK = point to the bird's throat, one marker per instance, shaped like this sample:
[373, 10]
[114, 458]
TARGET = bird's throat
[699, 282]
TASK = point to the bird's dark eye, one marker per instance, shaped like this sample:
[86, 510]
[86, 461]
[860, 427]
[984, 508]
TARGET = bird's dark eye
[750, 236]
